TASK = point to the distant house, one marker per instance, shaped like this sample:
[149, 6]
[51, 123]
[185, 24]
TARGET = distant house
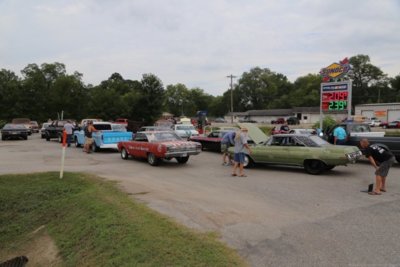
[304, 114]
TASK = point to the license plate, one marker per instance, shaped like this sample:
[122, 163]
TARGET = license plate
[14, 133]
[184, 155]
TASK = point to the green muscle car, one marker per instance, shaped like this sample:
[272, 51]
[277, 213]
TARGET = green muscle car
[304, 150]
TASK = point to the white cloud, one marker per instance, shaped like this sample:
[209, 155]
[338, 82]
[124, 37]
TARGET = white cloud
[197, 43]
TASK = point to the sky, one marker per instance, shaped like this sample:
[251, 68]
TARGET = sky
[197, 42]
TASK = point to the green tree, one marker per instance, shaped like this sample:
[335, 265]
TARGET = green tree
[153, 98]
[367, 80]
[106, 99]
[10, 93]
[177, 98]
[306, 92]
[261, 89]
[198, 100]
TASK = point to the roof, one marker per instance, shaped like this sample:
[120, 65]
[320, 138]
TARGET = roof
[270, 112]
[379, 104]
[306, 109]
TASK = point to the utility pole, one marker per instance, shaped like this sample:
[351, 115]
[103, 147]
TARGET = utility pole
[231, 77]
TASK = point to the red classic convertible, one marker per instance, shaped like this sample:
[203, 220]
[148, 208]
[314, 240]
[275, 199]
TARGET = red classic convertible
[157, 145]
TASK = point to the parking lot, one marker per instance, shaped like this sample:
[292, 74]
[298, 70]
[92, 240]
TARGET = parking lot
[276, 216]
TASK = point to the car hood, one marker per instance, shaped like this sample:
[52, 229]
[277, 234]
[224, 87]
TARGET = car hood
[255, 133]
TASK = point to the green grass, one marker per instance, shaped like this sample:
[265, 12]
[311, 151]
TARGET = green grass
[392, 133]
[94, 224]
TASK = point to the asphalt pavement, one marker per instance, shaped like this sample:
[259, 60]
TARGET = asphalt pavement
[277, 216]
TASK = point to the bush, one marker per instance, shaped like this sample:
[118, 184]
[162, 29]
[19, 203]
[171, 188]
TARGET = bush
[328, 122]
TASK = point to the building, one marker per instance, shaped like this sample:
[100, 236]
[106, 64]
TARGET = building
[382, 111]
[304, 114]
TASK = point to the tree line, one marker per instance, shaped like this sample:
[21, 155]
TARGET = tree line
[44, 91]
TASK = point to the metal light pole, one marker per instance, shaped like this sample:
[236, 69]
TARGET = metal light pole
[231, 77]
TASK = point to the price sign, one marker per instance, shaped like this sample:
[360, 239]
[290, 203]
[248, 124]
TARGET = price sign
[334, 96]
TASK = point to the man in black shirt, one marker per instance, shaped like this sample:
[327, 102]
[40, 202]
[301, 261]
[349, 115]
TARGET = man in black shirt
[382, 159]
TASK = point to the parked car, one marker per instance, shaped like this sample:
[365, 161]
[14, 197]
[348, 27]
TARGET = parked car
[84, 121]
[355, 135]
[311, 152]
[14, 131]
[303, 131]
[24, 121]
[108, 136]
[373, 122]
[293, 121]
[122, 121]
[55, 130]
[383, 124]
[212, 141]
[220, 120]
[43, 129]
[280, 129]
[185, 130]
[154, 128]
[394, 124]
[247, 121]
[158, 145]
[34, 126]
[278, 121]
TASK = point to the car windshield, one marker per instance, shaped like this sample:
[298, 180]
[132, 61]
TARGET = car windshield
[185, 127]
[118, 128]
[102, 126]
[162, 136]
[318, 140]
[10, 126]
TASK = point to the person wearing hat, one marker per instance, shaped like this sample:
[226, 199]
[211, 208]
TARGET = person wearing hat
[241, 147]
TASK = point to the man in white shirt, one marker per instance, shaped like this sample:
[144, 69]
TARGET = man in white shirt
[69, 128]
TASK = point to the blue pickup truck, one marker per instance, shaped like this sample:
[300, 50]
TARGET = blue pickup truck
[108, 135]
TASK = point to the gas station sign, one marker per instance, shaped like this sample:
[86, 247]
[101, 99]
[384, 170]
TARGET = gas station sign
[335, 96]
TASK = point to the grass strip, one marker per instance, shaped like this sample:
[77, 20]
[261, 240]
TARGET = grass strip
[95, 224]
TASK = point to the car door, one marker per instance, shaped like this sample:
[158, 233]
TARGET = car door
[272, 151]
[139, 146]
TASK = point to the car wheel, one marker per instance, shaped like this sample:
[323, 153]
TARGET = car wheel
[124, 154]
[3, 138]
[314, 166]
[60, 139]
[152, 160]
[95, 148]
[248, 162]
[182, 160]
[77, 143]
[398, 159]
[329, 167]
[25, 137]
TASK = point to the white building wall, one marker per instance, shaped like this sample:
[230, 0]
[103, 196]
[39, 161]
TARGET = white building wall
[384, 112]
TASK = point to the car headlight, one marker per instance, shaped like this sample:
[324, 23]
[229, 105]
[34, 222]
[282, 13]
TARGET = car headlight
[353, 156]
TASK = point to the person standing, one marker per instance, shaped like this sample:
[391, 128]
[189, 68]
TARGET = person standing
[89, 129]
[227, 141]
[382, 159]
[69, 128]
[339, 136]
[241, 147]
